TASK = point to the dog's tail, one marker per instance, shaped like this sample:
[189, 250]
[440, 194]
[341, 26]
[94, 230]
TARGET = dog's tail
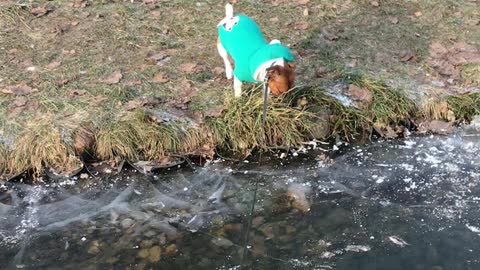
[228, 10]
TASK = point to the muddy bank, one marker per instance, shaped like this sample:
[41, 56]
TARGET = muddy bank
[355, 108]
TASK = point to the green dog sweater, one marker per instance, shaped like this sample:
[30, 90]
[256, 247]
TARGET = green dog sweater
[242, 39]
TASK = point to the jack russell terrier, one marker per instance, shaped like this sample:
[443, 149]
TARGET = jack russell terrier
[255, 59]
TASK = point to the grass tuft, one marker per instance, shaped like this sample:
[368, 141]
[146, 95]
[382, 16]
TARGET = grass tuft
[240, 129]
[137, 137]
[3, 159]
[42, 144]
[465, 107]
[389, 106]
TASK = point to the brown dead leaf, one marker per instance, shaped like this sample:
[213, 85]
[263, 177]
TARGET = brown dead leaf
[20, 101]
[360, 94]
[218, 71]
[306, 12]
[186, 92]
[39, 11]
[436, 127]
[352, 63]
[301, 2]
[143, 102]
[160, 78]
[80, 4]
[84, 138]
[437, 50]
[188, 67]
[158, 58]
[407, 55]
[385, 131]
[132, 82]
[393, 20]
[205, 151]
[301, 26]
[20, 89]
[320, 71]
[155, 14]
[472, 22]
[74, 93]
[54, 64]
[215, 111]
[329, 34]
[113, 78]
[274, 19]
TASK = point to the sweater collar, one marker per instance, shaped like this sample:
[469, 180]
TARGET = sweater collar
[261, 71]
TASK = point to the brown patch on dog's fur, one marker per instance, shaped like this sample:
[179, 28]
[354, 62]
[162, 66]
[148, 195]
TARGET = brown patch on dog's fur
[281, 79]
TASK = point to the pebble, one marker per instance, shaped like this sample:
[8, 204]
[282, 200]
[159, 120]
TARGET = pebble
[171, 250]
[112, 260]
[257, 221]
[94, 248]
[154, 254]
[127, 223]
[222, 242]
[146, 244]
[143, 253]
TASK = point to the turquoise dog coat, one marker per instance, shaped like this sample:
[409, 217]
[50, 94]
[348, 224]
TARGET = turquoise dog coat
[242, 39]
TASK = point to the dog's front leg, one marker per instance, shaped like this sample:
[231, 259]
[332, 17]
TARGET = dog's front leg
[223, 53]
[237, 86]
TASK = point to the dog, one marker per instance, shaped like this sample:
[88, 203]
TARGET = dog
[255, 59]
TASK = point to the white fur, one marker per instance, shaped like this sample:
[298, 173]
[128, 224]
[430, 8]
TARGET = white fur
[228, 66]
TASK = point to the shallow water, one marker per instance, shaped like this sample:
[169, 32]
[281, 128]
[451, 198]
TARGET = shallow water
[411, 204]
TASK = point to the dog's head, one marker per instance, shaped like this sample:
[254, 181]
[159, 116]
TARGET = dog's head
[281, 78]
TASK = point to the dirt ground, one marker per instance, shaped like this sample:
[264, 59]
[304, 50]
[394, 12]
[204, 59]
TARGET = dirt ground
[72, 62]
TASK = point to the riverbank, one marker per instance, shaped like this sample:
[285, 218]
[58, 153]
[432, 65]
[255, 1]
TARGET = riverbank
[114, 80]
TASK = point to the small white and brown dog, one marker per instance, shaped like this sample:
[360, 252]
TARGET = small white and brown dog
[255, 59]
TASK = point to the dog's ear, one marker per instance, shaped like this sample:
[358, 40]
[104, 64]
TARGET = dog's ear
[273, 71]
[278, 80]
[291, 65]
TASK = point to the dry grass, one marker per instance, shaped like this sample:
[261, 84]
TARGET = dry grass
[41, 145]
[345, 122]
[3, 159]
[240, 128]
[465, 107]
[137, 137]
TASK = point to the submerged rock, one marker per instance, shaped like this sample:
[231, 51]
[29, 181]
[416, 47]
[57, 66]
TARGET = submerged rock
[222, 242]
[127, 223]
[94, 248]
[171, 250]
[143, 253]
[146, 244]
[154, 254]
[297, 196]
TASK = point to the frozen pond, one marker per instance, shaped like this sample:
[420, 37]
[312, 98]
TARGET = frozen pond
[409, 204]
